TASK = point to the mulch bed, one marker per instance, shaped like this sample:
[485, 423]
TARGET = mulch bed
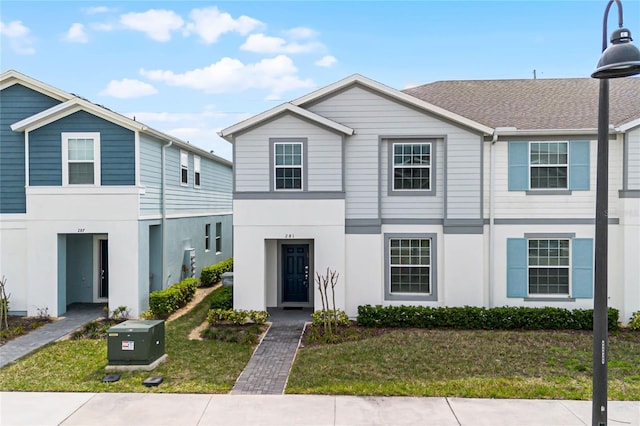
[19, 326]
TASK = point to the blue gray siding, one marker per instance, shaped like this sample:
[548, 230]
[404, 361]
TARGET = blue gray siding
[182, 234]
[150, 175]
[117, 150]
[16, 103]
[213, 195]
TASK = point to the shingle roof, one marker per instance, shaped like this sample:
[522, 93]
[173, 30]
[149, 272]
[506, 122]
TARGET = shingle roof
[534, 104]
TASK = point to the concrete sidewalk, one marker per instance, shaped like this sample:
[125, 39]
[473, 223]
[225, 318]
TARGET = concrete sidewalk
[113, 409]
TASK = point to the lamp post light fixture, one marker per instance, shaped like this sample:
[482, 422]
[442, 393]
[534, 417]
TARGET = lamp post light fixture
[621, 59]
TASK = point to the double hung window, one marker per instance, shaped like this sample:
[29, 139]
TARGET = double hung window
[288, 166]
[412, 166]
[549, 165]
[218, 237]
[207, 237]
[81, 158]
[184, 167]
[410, 265]
[548, 266]
[196, 171]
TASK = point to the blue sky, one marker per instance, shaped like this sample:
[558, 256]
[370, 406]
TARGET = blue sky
[192, 68]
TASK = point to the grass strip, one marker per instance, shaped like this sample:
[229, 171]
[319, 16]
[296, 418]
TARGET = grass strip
[468, 363]
[78, 366]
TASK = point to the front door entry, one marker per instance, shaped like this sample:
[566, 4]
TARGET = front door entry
[295, 273]
[103, 268]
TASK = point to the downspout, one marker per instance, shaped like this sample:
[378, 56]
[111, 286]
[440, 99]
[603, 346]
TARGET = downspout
[492, 202]
[164, 215]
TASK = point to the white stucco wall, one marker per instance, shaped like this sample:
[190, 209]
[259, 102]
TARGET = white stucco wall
[630, 246]
[463, 270]
[110, 211]
[13, 260]
[258, 227]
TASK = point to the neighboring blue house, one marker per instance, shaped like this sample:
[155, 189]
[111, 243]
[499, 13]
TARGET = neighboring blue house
[98, 208]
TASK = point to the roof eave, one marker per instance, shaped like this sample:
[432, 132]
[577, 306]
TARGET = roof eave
[629, 125]
[11, 77]
[512, 131]
[229, 132]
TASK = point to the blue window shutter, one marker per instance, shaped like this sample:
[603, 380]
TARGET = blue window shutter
[579, 165]
[518, 166]
[582, 270]
[517, 267]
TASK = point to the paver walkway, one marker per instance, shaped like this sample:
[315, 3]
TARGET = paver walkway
[75, 317]
[268, 369]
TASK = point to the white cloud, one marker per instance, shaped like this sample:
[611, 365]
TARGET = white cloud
[76, 34]
[127, 88]
[96, 10]
[326, 61]
[19, 39]
[260, 43]
[301, 32]
[209, 24]
[156, 24]
[277, 74]
[101, 26]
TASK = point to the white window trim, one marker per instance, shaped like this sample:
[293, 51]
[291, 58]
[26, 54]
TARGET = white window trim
[394, 166]
[184, 166]
[569, 267]
[197, 174]
[547, 165]
[276, 167]
[96, 156]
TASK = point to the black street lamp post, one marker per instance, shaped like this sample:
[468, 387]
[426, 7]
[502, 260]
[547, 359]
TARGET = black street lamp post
[621, 59]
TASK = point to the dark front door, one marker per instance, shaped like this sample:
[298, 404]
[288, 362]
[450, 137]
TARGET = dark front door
[295, 273]
[103, 265]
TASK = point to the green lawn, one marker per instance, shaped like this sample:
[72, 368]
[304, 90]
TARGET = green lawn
[193, 366]
[480, 364]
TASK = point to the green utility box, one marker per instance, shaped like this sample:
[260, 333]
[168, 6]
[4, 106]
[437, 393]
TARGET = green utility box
[135, 342]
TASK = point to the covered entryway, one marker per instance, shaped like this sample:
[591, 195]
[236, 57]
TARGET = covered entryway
[296, 275]
[83, 269]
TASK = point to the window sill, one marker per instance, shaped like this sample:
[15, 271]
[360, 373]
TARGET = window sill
[549, 299]
[549, 192]
[410, 297]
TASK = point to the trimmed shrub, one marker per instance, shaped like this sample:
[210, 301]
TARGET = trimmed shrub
[163, 303]
[237, 317]
[222, 298]
[211, 274]
[634, 321]
[469, 317]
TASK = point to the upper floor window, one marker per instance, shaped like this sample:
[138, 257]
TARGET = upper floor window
[184, 167]
[81, 158]
[549, 165]
[411, 166]
[196, 171]
[548, 266]
[288, 166]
